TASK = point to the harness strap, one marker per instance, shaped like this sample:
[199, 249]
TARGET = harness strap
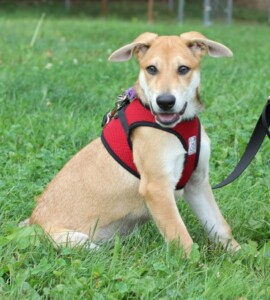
[116, 137]
[123, 121]
[257, 137]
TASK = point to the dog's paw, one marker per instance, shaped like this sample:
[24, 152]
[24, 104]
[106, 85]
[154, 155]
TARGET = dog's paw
[233, 246]
[91, 246]
[24, 223]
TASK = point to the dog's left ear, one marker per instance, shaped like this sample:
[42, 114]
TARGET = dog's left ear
[200, 45]
[139, 46]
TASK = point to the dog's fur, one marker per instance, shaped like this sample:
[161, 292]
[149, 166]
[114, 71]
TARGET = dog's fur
[93, 197]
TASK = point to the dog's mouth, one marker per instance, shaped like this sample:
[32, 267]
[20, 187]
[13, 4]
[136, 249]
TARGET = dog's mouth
[167, 119]
[170, 119]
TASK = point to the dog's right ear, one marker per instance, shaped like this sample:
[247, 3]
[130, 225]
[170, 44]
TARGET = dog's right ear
[139, 46]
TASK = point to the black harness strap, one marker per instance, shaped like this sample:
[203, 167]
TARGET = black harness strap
[258, 135]
[123, 121]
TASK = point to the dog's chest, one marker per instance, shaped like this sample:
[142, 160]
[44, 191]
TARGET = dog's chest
[116, 138]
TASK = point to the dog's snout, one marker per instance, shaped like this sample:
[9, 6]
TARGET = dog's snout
[166, 101]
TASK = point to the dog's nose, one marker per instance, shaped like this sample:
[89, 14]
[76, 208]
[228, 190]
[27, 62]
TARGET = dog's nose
[166, 101]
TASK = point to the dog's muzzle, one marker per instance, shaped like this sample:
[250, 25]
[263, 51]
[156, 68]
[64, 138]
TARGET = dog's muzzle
[170, 119]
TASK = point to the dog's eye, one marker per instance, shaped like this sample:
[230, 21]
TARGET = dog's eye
[183, 70]
[152, 70]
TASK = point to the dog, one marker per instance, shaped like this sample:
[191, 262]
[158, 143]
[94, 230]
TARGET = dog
[94, 197]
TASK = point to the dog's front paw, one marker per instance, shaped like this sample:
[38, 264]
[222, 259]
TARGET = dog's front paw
[184, 247]
[187, 250]
[233, 246]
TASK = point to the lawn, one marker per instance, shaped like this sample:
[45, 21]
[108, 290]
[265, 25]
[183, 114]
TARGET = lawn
[54, 89]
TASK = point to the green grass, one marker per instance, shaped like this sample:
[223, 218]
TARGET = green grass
[52, 99]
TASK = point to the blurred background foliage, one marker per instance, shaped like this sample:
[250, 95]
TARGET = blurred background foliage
[243, 10]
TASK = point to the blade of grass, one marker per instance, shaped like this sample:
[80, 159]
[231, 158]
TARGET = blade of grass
[37, 29]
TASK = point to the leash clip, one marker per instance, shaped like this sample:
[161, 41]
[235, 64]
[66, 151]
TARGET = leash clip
[122, 100]
[106, 119]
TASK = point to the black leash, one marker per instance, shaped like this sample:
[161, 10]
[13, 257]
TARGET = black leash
[255, 142]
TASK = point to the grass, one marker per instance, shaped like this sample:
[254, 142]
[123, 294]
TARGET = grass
[52, 99]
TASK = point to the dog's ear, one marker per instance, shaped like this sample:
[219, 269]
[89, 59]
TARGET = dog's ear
[139, 46]
[200, 45]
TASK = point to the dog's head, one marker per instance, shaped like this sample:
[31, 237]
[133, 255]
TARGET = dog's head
[169, 76]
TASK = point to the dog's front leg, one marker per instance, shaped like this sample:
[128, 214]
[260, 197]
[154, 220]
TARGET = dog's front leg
[201, 200]
[199, 195]
[159, 158]
[160, 200]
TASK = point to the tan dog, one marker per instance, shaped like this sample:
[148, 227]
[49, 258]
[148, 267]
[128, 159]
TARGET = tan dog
[93, 197]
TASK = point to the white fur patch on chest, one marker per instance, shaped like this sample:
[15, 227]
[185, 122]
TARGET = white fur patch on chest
[174, 162]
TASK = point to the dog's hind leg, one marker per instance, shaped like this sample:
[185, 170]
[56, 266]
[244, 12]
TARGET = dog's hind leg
[68, 238]
[65, 237]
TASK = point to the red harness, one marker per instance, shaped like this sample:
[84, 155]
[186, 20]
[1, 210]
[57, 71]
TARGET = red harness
[116, 138]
